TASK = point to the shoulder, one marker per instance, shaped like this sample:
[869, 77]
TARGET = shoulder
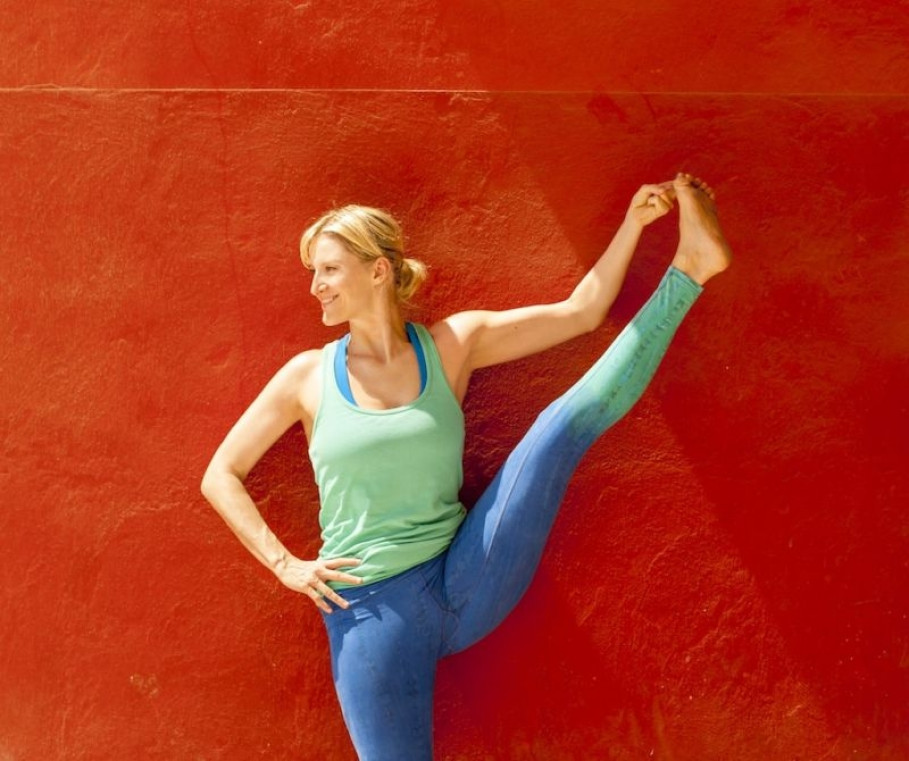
[451, 334]
[453, 337]
[458, 335]
[299, 383]
[303, 369]
[457, 328]
[297, 379]
[298, 369]
[303, 364]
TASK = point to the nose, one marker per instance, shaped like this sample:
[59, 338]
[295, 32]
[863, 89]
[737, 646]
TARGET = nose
[316, 285]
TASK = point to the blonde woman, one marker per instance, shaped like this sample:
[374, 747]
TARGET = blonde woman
[406, 575]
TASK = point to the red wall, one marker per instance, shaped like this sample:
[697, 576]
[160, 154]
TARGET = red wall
[728, 578]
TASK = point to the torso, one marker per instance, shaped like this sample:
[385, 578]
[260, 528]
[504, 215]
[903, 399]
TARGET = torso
[384, 386]
[388, 473]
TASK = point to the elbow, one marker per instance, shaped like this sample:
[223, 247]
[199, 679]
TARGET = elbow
[587, 320]
[212, 483]
[218, 479]
[207, 487]
[584, 314]
[590, 323]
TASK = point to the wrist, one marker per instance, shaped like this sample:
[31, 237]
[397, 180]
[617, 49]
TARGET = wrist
[632, 223]
[278, 564]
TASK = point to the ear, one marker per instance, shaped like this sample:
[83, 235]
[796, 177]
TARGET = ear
[381, 270]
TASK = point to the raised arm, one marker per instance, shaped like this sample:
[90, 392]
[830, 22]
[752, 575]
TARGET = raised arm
[290, 396]
[468, 341]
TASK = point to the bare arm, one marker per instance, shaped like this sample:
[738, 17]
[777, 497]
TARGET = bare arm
[290, 396]
[471, 340]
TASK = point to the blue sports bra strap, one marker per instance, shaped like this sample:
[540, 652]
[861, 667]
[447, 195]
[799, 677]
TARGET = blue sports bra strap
[342, 379]
[421, 356]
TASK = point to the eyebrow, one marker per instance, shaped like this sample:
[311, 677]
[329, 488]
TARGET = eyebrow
[329, 260]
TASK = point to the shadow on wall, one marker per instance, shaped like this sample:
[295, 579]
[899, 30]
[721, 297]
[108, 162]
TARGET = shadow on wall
[801, 433]
[555, 667]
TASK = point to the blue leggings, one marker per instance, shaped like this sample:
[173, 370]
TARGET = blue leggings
[385, 646]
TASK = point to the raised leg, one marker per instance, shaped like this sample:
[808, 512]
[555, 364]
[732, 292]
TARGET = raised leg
[498, 547]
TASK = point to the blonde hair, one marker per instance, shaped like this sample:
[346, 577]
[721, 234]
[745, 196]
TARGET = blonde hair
[368, 234]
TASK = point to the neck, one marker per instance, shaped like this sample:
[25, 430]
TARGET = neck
[382, 338]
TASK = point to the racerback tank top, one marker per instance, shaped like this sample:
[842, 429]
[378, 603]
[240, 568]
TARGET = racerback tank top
[388, 479]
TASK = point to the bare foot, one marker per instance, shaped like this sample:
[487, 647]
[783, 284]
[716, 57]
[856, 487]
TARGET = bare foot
[703, 251]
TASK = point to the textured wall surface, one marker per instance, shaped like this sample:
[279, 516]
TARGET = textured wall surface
[729, 577]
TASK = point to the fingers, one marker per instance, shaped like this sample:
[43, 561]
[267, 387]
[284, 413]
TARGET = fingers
[651, 202]
[319, 592]
[317, 588]
[333, 575]
[341, 562]
[668, 190]
[318, 597]
[651, 189]
[657, 188]
[664, 190]
[646, 192]
[661, 204]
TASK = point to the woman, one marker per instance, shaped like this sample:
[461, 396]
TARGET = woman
[405, 576]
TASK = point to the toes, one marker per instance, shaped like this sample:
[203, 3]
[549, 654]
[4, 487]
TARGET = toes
[682, 180]
[685, 180]
[698, 183]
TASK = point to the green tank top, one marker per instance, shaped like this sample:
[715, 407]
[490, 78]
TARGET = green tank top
[388, 479]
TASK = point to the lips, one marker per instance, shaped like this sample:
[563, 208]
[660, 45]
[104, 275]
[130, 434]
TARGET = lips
[326, 302]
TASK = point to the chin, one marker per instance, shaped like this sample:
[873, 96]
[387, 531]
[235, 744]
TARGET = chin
[331, 322]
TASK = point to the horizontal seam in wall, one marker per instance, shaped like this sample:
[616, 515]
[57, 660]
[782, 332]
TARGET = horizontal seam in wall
[69, 89]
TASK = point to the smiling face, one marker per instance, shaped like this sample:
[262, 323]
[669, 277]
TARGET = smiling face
[374, 236]
[343, 283]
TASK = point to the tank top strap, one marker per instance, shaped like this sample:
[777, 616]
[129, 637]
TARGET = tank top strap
[431, 358]
[417, 344]
[339, 363]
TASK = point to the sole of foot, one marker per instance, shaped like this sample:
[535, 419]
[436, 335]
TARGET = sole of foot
[703, 249]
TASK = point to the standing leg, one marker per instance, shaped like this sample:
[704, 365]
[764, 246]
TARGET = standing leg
[384, 651]
[498, 547]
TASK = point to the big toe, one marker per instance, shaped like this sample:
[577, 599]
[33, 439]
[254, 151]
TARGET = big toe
[683, 179]
[684, 184]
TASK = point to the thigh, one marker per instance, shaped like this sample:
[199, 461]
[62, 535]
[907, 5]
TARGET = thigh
[497, 549]
[384, 651]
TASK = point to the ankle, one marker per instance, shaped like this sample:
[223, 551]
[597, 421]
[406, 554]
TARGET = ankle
[688, 265]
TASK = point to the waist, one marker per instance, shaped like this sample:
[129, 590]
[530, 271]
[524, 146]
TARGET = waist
[384, 554]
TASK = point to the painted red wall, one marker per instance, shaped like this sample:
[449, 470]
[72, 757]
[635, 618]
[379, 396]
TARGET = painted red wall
[728, 578]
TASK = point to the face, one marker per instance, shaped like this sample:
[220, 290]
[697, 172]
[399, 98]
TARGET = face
[343, 283]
